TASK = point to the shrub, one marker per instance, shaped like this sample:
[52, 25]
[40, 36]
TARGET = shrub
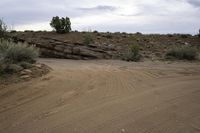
[133, 53]
[28, 31]
[117, 33]
[3, 29]
[13, 31]
[95, 31]
[12, 68]
[4, 46]
[169, 35]
[108, 35]
[2, 67]
[185, 35]
[88, 38]
[7, 68]
[25, 65]
[61, 25]
[138, 33]
[15, 53]
[184, 52]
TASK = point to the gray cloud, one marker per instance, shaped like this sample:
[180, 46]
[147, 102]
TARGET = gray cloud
[195, 3]
[32, 11]
[99, 8]
[115, 15]
[131, 15]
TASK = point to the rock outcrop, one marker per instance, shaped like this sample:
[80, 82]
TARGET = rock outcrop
[54, 48]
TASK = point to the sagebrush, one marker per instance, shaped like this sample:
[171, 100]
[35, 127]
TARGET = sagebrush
[133, 53]
[184, 52]
[14, 53]
[88, 38]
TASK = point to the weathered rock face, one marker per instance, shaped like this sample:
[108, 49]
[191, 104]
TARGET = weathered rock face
[106, 46]
[54, 48]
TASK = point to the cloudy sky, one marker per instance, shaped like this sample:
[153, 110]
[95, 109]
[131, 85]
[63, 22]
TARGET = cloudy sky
[146, 16]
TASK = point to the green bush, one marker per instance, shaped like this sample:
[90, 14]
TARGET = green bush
[3, 29]
[13, 31]
[108, 35]
[12, 68]
[4, 46]
[184, 52]
[61, 25]
[95, 31]
[133, 53]
[25, 65]
[88, 38]
[185, 35]
[28, 31]
[2, 67]
[7, 68]
[15, 53]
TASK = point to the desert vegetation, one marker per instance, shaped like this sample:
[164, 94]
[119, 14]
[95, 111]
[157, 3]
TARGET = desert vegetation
[88, 38]
[101, 45]
[106, 45]
[61, 25]
[182, 53]
[133, 53]
[199, 33]
[16, 57]
[92, 66]
[3, 30]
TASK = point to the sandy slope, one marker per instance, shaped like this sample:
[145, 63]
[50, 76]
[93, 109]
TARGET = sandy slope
[105, 97]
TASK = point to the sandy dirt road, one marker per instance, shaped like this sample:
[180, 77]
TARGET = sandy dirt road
[105, 97]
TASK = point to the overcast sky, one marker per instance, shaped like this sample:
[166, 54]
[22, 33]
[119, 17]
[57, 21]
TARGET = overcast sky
[146, 16]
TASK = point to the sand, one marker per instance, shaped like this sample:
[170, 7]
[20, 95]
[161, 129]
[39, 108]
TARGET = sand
[105, 96]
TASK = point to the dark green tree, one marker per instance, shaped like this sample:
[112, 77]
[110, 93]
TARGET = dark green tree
[61, 25]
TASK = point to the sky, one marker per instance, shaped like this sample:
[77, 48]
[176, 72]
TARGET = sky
[146, 16]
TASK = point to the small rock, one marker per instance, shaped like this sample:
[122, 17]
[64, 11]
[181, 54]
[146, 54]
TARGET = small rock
[123, 130]
[22, 73]
[67, 41]
[105, 44]
[52, 41]
[25, 77]
[38, 65]
[27, 70]
[60, 48]
[110, 45]
[186, 43]
[68, 50]
[98, 38]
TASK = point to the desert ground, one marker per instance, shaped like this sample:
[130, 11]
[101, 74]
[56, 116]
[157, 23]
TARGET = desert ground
[105, 96]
